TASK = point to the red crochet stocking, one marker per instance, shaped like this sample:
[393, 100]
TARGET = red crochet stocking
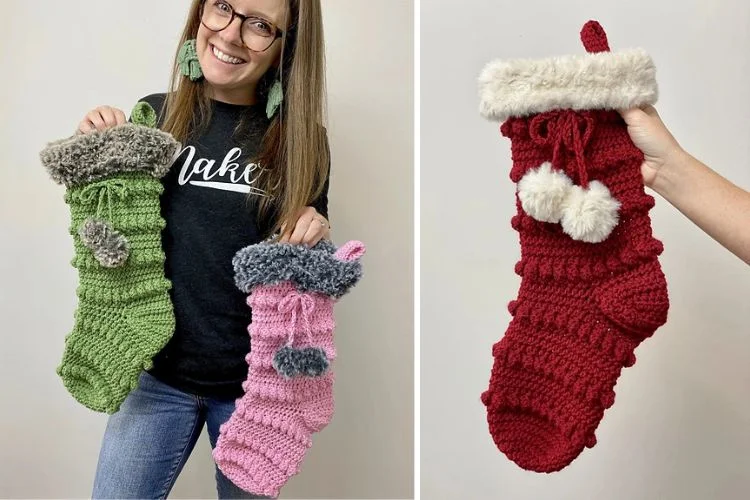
[592, 288]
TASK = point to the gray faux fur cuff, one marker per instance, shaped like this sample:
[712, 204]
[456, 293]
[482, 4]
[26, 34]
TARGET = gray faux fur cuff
[604, 80]
[125, 148]
[322, 268]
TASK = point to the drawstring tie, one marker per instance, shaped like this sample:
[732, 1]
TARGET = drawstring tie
[564, 129]
[104, 192]
[586, 212]
[109, 247]
[292, 362]
[291, 304]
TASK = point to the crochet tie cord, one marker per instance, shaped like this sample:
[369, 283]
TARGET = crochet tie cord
[124, 314]
[591, 286]
[289, 389]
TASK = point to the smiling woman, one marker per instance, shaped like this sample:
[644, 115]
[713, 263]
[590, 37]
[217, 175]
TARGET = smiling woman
[235, 71]
[237, 99]
[191, 352]
[253, 165]
[279, 44]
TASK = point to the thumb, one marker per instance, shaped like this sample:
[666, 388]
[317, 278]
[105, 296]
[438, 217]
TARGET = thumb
[648, 173]
[631, 115]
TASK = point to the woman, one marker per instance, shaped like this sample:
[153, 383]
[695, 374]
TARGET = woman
[247, 104]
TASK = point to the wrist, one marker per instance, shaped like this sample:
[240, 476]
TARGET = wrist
[670, 173]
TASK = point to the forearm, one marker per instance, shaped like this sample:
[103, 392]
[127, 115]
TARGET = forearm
[714, 204]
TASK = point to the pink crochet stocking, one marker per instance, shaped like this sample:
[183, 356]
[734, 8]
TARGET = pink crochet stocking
[289, 389]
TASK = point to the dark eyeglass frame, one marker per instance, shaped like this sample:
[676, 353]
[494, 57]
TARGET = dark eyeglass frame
[279, 32]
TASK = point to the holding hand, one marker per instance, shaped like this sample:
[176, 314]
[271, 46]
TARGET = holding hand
[101, 118]
[712, 202]
[311, 227]
[651, 136]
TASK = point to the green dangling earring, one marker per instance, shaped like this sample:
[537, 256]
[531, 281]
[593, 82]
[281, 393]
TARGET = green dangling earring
[275, 97]
[187, 59]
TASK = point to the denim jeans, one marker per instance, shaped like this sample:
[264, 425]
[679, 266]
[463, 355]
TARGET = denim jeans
[148, 441]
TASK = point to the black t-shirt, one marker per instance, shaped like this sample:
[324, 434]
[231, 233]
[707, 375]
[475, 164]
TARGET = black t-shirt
[210, 204]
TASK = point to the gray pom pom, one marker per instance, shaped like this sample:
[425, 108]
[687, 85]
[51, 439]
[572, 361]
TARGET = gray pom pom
[312, 361]
[110, 248]
[284, 362]
[309, 361]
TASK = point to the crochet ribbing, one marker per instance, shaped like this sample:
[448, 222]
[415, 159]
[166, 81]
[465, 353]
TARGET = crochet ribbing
[582, 307]
[292, 293]
[124, 314]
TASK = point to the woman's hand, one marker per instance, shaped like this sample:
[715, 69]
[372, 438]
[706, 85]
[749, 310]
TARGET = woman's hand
[311, 227]
[712, 202]
[651, 136]
[101, 118]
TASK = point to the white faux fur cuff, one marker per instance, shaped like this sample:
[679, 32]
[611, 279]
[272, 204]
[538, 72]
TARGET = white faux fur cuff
[603, 80]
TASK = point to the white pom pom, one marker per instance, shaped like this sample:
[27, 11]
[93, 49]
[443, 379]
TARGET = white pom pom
[542, 192]
[590, 214]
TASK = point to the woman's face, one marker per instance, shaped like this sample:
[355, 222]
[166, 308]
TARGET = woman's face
[235, 81]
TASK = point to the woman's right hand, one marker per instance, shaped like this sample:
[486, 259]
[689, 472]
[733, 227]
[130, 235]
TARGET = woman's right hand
[652, 137]
[712, 202]
[101, 118]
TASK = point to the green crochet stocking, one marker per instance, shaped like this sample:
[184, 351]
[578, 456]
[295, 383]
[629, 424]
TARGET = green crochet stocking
[124, 315]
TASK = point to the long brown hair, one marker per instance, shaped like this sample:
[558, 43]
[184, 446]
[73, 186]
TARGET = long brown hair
[294, 152]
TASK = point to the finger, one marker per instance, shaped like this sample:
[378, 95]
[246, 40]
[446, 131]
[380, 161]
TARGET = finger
[326, 227]
[120, 117]
[650, 111]
[319, 219]
[108, 115]
[314, 234]
[96, 119]
[303, 224]
[86, 127]
[284, 234]
[631, 115]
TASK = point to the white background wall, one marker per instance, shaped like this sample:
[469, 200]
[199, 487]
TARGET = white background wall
[680, 428]
[60, 59]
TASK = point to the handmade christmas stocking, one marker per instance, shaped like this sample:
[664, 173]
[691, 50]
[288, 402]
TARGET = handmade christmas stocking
[124, 313]
[289, 389]
[592, 288]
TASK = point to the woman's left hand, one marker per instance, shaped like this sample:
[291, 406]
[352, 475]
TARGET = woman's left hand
[311, 227]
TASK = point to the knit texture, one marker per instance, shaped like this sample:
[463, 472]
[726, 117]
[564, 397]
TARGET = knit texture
[582, 307]
[264, 442]
[144, 114]
[124, 313]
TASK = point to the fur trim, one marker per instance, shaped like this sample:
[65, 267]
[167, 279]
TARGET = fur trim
[542, 192]
[604, 80]
[110, 248]
[590, 214]
[86, 158]
[316, 269]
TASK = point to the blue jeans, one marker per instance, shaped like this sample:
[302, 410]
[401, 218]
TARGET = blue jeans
[148, 441]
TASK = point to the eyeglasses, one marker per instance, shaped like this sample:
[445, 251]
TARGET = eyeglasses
[256, 33]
